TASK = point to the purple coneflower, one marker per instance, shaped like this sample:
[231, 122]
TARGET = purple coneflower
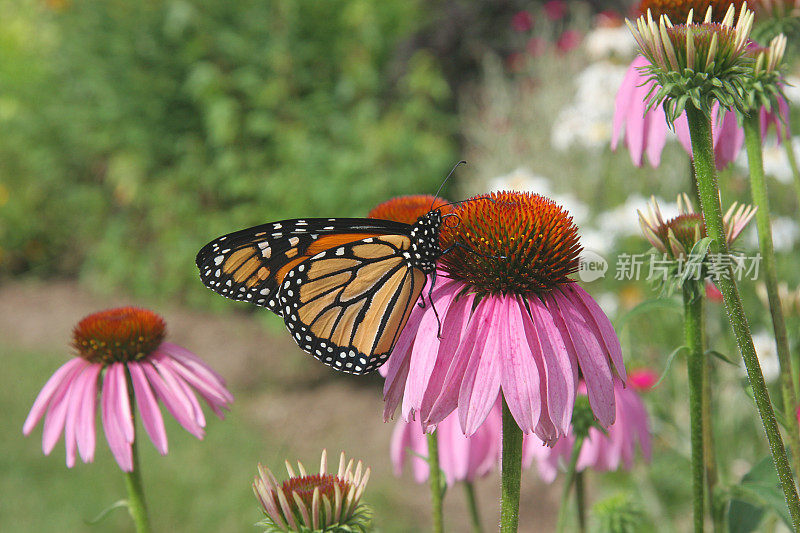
[314, 502]
[118, 347]
[461, 458]
[645, 131]
[512, 322]
[600, 451]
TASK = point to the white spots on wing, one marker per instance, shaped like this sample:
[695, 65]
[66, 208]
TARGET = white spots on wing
[277, 226]
[294, 241]
[219, 259]
[339, 251]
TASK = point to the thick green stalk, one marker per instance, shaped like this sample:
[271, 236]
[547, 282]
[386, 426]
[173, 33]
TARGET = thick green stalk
[789, 147]
[472, 505]
[136, 502]
[702, 148]
[511, 472]
[758, 185]
[693, 329]
[435, 480]
[580, 501]
[568, 479]
[716, 510]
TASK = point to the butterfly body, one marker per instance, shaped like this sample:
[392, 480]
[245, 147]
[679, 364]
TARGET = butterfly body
[345, 287]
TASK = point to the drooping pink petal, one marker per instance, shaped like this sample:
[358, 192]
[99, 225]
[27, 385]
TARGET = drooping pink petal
[481, 384]
[728, 139]
[604, 330]
[425, 348]
[181, 390]
[85, 427]
[401, 438]
[561, 367]
[395, 370]
[441, 396]
[113, 413]
[57, 412]
[173, 400]
[580, 339]
[195, 364]
[656, 126]
[149, 412]
[635, 130]
[213, 396]
[42, 401]
[519, 375]
[623, 100]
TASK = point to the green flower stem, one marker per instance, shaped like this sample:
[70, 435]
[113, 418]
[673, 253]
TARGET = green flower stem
[758, 185]
[435, 480]
[702, 148]
[789, 147]
[693, 328]
[136, 503]
[568, 479]
[716, 510]
[472, 504]
[580, 500]
[511, 472]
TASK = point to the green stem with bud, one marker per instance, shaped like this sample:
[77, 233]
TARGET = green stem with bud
[693, 328]
[511, 474]
[472, 505]
[758, 185]
[702, 148]
[435, 480]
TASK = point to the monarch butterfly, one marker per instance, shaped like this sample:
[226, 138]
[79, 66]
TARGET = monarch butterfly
[345, 287]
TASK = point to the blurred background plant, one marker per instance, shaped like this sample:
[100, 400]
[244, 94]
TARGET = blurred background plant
[133, 133]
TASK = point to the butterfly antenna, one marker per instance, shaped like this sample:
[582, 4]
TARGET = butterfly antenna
[435, 196]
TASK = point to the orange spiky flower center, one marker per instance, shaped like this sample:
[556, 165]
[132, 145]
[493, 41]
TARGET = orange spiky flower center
[408, 208]
[304, 487]
[511, 243]
[118, 335]
[678, 10]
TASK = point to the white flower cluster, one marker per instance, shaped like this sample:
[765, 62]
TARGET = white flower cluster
[586, 121]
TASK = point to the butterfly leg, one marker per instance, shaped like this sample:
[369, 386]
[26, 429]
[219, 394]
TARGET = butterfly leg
[430, 298]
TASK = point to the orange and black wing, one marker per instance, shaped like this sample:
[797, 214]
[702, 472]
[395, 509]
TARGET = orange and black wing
[347, 305]
[249, 265]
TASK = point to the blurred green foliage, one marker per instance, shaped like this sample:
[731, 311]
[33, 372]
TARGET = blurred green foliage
[131, 133]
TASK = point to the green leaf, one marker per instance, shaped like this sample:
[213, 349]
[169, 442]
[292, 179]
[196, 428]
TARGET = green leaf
[719, 355]
[759, 492]
[675, 352]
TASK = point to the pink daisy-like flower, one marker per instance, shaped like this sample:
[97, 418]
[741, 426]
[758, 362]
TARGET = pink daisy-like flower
[512, 322]
[600, 451]
[461, 458]
[642, 379]
[117, 347]
[645, 132]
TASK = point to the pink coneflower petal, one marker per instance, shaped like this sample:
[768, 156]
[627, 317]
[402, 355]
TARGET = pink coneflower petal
[197, 367]
[623, 100]
[520, 375]
[635, 131]
[604, 329]
[173, 400]
[728, 140]
[181, 390]
[56, 416]
[580, 339]
[449, 367]
[482, 376]
[85, 426]
[116, 416]
[560, 369]
[43, 399]
[152, 420]
[215, 395]
[425, 348]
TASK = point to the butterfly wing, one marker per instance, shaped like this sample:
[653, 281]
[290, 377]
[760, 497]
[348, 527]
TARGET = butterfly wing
[249, 265]
[347, 305]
